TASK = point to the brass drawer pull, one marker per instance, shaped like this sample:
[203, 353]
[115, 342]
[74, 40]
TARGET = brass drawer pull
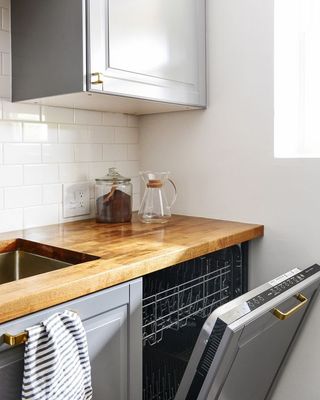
[99, 79]
[284, 315]
[20, 338]
[15, 340]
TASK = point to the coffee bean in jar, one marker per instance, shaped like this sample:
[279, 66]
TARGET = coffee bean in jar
[113, 198]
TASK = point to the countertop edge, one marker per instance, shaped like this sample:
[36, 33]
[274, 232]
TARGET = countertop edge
[94, 279]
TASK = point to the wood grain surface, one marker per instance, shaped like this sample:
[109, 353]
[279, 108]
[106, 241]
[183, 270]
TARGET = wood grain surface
[126, 251]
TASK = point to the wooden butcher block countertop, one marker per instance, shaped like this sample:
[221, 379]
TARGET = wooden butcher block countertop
[126, 251]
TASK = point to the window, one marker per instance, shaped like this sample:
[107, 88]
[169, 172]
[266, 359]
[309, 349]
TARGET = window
[297, 78]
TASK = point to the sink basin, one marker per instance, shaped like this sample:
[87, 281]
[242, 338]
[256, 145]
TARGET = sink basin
[22, 258]
[20, 264]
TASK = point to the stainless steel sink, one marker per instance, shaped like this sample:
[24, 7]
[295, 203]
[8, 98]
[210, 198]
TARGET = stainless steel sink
[24, 258]
[20, 264]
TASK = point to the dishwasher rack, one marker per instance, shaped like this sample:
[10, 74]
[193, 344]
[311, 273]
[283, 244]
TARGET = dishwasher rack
[175, 296]
[162, 377]
[174, 307]
[176, 302]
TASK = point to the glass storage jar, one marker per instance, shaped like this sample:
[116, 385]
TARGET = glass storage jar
[113, 193]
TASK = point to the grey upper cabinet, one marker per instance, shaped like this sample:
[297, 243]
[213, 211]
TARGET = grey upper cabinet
[136, 56]
[151, 49]
[112, 320]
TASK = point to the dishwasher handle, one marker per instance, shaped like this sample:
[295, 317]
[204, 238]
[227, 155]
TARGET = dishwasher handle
[285, 315]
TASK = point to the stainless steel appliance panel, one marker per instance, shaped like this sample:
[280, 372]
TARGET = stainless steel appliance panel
[244, 344]
[262, 346]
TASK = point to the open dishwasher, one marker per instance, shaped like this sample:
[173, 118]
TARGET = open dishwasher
[205, 339]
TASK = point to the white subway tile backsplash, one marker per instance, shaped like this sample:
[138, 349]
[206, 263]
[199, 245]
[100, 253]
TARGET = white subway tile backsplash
[126, 135]
[128, 168]
[136, 183]
[74, 172]
[74, 134]
[22, 196]
[57, 114]
[87, 117]
[113, 152]
[92, 190]
[41, 215]
[6, 65]
[136, 202]
[88, 152]
[115, 119]
[133, 152]
[101, 134]
[10, 131]
[11, 175]
[11, 220]
[99, 169]
[5, 19]
[40, 133]
[52, 194]
[57, 153]
[19, 111]
[21, 153]
[133, 121]
[5, 86]
[37, 157]
[40, 173]
[5, 41]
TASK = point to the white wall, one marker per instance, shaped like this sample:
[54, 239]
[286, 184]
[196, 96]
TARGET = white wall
[43, 147]
[222, 161]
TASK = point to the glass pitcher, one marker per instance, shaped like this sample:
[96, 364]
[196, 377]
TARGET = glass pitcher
[154, 206]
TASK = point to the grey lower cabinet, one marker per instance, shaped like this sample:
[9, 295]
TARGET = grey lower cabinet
[112, 319]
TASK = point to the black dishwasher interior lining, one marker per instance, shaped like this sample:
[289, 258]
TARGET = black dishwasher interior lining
[177, 301]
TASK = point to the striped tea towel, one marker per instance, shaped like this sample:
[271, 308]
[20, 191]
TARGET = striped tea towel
[56, 360]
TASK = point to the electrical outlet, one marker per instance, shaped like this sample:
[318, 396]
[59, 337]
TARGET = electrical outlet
[76, 199]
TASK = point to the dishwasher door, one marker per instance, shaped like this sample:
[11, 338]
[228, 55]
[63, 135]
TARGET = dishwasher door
[259, 353]
[243, 344]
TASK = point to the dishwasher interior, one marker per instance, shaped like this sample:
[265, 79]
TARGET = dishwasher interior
[176, 302]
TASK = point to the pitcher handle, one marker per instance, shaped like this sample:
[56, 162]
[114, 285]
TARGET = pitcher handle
[175, 192]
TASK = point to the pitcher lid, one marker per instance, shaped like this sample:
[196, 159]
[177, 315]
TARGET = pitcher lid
[113, 176]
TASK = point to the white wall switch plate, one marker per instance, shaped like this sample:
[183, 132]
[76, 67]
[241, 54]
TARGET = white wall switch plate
[76, 199]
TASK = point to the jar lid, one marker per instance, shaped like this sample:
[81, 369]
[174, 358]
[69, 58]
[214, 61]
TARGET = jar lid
[113, 176]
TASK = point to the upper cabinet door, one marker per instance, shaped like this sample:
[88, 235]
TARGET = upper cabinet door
[152, 49]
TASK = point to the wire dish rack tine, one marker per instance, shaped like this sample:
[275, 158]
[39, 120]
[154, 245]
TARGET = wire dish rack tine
[192, 289]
